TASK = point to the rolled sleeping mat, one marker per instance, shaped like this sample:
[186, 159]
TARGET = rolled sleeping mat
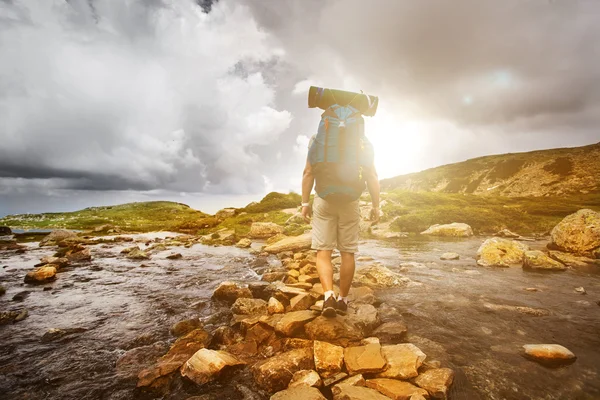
[324, 98]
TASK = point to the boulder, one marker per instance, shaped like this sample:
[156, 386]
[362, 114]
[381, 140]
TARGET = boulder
[137, 254]
[364, 316]
[294, 243]
[300, 302]
[449, 256]
[498, 252]
[186, 326]
[454, 229]
[275, 373]
[274, 306]
[329, 358]
[571, 260]
[338, 330]
[56, 236]
[41, 275]
[350, 392]
[549, 354]
[403, 361]
[302, 392]
[79, 256]
[230, 291]
[262, 230]
[361, 294]
[396, 390]
[390, 332]
[246, 306]
[536, 259]
[436, 381]
[578, 232]
[292, 321]
[244, 243]
[206, 365]
[364, 359]
[306, 378]
[379, 277]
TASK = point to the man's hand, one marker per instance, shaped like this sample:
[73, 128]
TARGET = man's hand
[374, 214]
[306, 213]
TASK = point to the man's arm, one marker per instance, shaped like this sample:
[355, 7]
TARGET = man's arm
[373, 186]
[308, 181]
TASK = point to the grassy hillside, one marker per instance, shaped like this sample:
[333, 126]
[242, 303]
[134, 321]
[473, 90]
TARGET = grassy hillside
[554, 172]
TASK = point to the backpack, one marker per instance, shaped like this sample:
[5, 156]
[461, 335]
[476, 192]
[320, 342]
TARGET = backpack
[340, 154]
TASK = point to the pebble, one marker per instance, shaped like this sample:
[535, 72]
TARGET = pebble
[22, 315]
[580, 290]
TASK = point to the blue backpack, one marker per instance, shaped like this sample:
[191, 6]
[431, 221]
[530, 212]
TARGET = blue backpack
[340, 155]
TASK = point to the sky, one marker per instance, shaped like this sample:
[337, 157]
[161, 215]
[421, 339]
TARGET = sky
[205, 103]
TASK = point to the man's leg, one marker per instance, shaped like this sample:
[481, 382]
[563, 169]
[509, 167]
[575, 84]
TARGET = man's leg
[325, 269]
[346, 273]
[324, 241]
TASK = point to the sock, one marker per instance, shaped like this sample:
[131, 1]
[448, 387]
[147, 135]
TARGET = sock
[345, 299]
[328, 294]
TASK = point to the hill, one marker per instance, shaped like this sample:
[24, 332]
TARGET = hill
[554, 172]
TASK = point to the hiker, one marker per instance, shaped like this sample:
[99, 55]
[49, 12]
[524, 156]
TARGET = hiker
[339, 162]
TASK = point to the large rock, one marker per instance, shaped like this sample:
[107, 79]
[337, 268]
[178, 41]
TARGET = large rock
[578, 233]
[571, 260]
[454, 229]
[350, 392]
[262, 230]
[549, 354]
[379, 277]
[230, 291]
[79, 256]
[246, 306]
[498, 252]
[403, 361]
[364, 316]
[244, 243]
[293, 321]
[294, 243]
[396, 390]
[225, 213]
[329, 358]
[41, 275]
[206, 365]
[338, 330]
[275, 373]
[302, 392]
[300, 302]
[436, 381]
[390, 332]
[59, 235]
[364, 359]
[536, 259]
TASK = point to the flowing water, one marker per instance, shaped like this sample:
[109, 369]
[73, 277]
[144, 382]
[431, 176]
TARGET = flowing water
[460, 314]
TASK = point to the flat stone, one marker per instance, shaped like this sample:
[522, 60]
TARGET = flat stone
[275, 373]
[356, 380]
[436, 381]
[306, 378]
[364, 359]
[41, 275]
[245, 306]
[379, 277]
[300, 302]
[294, 320]
[390, 332]
[396, 390]
[364, 316]
[329, 358]
[361, 294]
[536, 259]
[274, 306]
[206, 365]
[403, 361]
[454, 229]
[349, 392]
[549, 354]
[571, 260]
[450, 256]
[299, 393]
[340, 376]
[231, 291]
[338, 330]
[294, 243]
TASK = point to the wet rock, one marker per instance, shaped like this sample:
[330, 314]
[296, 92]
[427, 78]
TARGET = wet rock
[274, 306]
[498, 252]
[7, 317]
[403, 361]
[505, 233]
[364, 359]
[300, 302]
[361, 294]
[134, 360]
[246, 306]
[379, 277]
[306, 378]
[549, 354]
[244, 243]
[274, 374]
[338, 330]
[41, 275]
[329, 358]
[2, 291]
[230, 291]
[436, 381]
[264, 229]
[22, 315]
[56, 236]
[364, 316]
[302, 392]
[186, 326]
[571, 260]
[450, 256]
[53, 334]
[294, 243]
[292, 321]
[454, 229]
[137, 254]
[349, 392]
[535, 259]
[62, 262]
[578, 232]
[174, 256]
[79, 256]
[390, 332]
[580, 290]
[536, 312]
[394, 389]
[206, 365]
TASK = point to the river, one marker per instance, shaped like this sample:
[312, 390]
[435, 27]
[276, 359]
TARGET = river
[462, 315]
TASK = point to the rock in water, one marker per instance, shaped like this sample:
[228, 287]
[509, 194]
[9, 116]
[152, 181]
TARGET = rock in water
[299, 393]
[54, 237]
[206, 365]
[394, 389]
[454, 229]
[571, 260]
[403, 361]
[275, 373]
[329, 358]
[292, 321]
[505, 233]
[230, 291]
[339, 330]
[137, 254]
[390, 332]
[578, 233]
[364, 359]
[294, 243]
[379, 277]
[536, 259]
[498, 252]
[41, 275]
[244, 243]
[245, 306]
[264, 229]
[306, 378]
[549, 354]
[436, 381]
[449, 256]
[349, 392]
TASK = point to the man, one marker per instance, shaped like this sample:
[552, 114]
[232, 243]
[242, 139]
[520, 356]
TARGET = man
[336, 225]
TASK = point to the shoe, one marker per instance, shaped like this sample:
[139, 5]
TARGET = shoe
[329, 307]
[341, 307]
